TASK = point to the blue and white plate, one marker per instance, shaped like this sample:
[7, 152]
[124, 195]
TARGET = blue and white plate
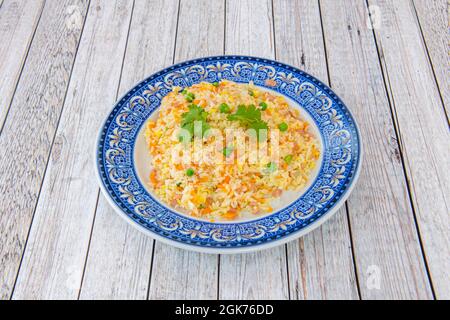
[119, 148]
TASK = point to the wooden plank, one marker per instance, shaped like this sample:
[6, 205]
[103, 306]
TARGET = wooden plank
[123, 271]
[434, 20]
[423, 131]
[200, 33]
[386, 246]
[320, 264]
[18, 21]
[55, 255]
[30, 127]
[118, 265]
[263, 274]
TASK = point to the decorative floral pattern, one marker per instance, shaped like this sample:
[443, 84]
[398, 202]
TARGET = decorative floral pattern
[337, 127]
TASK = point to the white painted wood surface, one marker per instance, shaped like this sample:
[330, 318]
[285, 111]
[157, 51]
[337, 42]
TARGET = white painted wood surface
[75, 246]
[381, 219]
[320, 264]
[18, 20]
[124, 272]
[55, 254]
[434, 20]
[423, 130]
[28, 131]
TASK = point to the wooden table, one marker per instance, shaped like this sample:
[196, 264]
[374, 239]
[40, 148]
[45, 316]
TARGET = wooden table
[63, 64]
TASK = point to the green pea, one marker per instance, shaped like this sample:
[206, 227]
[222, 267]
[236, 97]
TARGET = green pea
[288, 158]
[263, 106]
[283, 126]
[190, 172]
[272, 166]
[227, 151]
[224, 108]
[215, 84]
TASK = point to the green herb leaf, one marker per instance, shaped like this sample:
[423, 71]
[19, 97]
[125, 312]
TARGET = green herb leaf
[189, 96]
[224, 108]
[195, 113]
[246, 114]
[249, 117]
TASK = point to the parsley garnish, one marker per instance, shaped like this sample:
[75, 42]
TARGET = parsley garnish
[194, 114]
[249, 117]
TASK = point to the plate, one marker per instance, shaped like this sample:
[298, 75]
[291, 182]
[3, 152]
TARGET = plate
[120, 152]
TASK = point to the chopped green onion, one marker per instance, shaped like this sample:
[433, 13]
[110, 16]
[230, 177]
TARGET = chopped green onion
[184, 91]
[251, 93]
[263, 106]
[190, 172]
[283, 126]
[224, 108]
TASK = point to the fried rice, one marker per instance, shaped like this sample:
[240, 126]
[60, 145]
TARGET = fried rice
[227, 189]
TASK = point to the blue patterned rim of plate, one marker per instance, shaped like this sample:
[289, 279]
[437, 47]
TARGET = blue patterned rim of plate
[338, 173]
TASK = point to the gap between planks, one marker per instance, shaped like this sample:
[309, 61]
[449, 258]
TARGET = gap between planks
[24, 55]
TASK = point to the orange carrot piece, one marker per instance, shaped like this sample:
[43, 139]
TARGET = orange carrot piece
[153, 178]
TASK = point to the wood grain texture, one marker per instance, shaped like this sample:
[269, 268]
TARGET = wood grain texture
[395, 79]
[263, 274]
[30, 127]
[200, 33]
[320, 264]
[181, 274]
[55, 255]
[386, 244]
[434, 19]
[118, 265]
[119, 260]
[18, 21]
[423, 130]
